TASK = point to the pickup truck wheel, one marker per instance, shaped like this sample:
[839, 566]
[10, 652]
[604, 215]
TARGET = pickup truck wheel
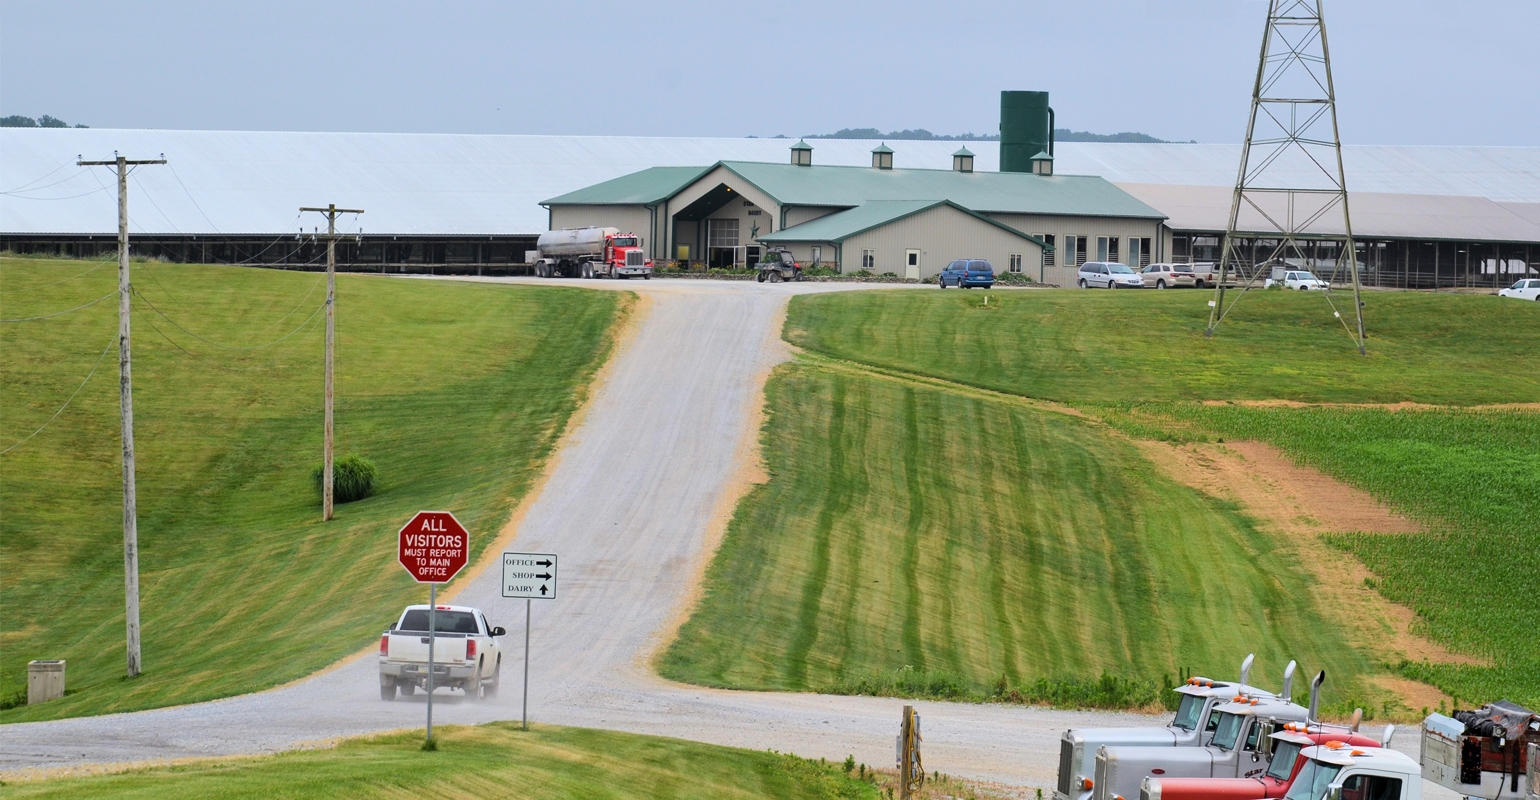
[388, 691]
[490, 690]
[1198, 284]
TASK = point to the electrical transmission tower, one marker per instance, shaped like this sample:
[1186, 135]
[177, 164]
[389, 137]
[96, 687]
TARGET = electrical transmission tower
[126, 410]
[1291, 199]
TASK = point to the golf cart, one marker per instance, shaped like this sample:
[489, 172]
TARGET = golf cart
[777, 265]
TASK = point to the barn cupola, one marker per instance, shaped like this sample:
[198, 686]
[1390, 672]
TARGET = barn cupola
[882, 156]
[802, 154]
[962, 160]
[1042, 163]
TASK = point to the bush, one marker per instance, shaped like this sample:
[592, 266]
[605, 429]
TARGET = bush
[353, 478]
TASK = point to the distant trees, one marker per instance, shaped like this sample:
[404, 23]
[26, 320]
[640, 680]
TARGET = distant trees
[45, 121]
[1060, 134]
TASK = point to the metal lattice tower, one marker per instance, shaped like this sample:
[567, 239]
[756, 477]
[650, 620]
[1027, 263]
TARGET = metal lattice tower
[1290, 188]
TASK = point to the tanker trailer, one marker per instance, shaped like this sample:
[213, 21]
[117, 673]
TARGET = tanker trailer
[590, 253]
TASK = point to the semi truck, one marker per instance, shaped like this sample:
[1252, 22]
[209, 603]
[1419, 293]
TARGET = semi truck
[1487, 753]
[1283, 766]
[1192, 726]
[590, 253]
[1241, 742]
[1338, 771]
[465, 653]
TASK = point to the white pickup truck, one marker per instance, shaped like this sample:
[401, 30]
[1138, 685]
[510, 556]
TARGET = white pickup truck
[465, 652]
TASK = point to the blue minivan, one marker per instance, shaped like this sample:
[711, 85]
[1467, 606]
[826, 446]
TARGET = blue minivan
[967, 272]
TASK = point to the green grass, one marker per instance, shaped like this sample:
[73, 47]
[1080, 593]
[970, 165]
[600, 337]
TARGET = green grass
[1474, 478]
[1109, 347]
[487, 761]
[925, 541]
[456, 391]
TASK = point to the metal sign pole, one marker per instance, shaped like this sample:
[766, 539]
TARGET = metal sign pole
[432, 624]
[527, 603]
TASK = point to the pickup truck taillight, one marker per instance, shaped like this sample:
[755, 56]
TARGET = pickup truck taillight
[385, 645]
[470, 649]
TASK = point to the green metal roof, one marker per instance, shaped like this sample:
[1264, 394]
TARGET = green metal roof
[1042, 155]
[882, 148]
[801, 145]
[652, 185]
[841, 225]
[962, 151]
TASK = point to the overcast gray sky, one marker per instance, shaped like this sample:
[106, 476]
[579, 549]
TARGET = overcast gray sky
[1407, 71]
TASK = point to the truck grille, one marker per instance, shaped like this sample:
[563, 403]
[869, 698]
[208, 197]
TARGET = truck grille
[1104, 777]
[635, 258]
[1066, 766]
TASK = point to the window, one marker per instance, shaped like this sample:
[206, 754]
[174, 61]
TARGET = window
[914, 258]
[817, 255]
[1371, 787]
[722, 232]
[443, 621]
[1079, 251]
[1188, 712]
[1112, 249]
[1229, 731]
[1101, 249]
[1144, 250]
[1015, 262]
[1047, 251]
[868, 259]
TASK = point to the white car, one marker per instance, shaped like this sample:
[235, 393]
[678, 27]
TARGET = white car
[1523, 290]
[1106, 275]
[465, 653]
[1300, 280]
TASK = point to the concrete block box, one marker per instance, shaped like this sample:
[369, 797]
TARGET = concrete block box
[45, 681]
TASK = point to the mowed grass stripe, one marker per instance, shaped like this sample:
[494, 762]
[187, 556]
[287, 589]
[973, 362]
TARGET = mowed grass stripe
[1113, 347]
[989, 539]
[457, 391]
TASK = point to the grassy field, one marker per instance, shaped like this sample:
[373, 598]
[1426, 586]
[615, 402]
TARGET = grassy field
[1474, 478]
[456, 391]
[921, 540]
[486, 761]
[1111, 347]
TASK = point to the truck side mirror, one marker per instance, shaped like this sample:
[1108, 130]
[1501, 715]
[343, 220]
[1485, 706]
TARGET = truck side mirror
[498, 632]
[1334, 792]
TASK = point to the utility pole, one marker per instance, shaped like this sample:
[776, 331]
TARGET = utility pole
[126, 409]
[331, 211]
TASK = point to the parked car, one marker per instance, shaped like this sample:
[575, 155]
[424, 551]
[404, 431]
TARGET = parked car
[1104, 275]
[465, 653]
[1523, 290]
[965, 273]
[1297, 279]
[1170, 276]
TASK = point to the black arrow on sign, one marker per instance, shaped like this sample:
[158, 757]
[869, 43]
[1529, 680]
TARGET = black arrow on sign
[542, 589]
[545, 577]
[542, 563]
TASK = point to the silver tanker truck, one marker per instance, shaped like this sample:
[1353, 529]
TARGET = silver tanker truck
[1241, 746]
[1192, 726]
[590, 253]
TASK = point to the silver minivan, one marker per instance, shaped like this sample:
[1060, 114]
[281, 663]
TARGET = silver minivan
[1107, 275]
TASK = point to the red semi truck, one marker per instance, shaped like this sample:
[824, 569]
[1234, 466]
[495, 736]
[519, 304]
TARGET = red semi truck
[590, 253]
[1287, 746]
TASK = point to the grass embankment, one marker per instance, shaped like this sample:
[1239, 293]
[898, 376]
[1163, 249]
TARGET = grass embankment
[920, 540]
[456, 391]
[1472, 477]
[487, 761]
[1111, 347]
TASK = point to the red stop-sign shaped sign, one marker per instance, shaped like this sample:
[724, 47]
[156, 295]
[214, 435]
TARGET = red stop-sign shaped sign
[434, 546]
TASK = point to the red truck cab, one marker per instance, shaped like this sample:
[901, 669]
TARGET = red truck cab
[1274, 783]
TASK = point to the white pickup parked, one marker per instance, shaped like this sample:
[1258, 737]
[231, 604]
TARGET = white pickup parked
[465, 653]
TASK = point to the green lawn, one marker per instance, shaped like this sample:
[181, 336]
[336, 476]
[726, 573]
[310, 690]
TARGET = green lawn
[921, 540]
[1112, 347]
[1474, 478]
[487, 761]
[456, 391]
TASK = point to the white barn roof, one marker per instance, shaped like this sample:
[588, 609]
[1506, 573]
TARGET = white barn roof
[239, 182]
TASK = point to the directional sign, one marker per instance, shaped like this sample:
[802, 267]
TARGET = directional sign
[529, 575]
[434, 546]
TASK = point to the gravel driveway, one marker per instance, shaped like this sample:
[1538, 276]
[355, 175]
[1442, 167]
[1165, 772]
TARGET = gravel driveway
[638, 489]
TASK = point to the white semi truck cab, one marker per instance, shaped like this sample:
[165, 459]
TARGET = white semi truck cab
[1337, 771]
[1193, 726]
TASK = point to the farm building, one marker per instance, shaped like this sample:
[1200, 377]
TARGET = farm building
[1424, 216]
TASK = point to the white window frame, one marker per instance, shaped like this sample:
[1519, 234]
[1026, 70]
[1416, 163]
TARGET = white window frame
[869, 259]
[817, 255]
[1015, 262]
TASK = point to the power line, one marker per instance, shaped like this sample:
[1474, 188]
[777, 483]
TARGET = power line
[226, 346]
[66, 402]
[44, 177]
[70, 278]
[193, 199]
[67, 311]
[23, 187]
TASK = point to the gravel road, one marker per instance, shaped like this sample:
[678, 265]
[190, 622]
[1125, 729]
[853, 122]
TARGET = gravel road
[639, 489]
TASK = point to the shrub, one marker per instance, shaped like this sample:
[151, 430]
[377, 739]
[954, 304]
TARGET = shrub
[353, 478]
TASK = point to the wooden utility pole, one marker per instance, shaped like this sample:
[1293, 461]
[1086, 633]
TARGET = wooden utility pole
[331, 211]
[126, 409]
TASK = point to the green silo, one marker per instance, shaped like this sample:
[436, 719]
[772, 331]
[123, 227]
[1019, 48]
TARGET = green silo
[1026, 129]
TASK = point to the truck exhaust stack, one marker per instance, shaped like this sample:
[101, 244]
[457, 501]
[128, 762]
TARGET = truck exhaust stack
[1287, 695]
[1246, 670]
[1315, 697]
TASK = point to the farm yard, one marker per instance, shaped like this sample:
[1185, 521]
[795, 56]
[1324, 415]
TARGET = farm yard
[899, 492]
[457, 392]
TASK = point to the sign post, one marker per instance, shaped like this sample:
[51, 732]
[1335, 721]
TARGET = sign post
[531, 576]
[433, 547]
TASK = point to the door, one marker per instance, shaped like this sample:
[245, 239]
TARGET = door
[912, 264]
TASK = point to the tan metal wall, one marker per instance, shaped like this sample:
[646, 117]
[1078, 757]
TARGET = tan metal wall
[796, 215]
[1092, 227]
[629, 219]
[942, 234]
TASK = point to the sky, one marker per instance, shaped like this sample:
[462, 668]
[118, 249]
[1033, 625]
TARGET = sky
[1414, 72]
